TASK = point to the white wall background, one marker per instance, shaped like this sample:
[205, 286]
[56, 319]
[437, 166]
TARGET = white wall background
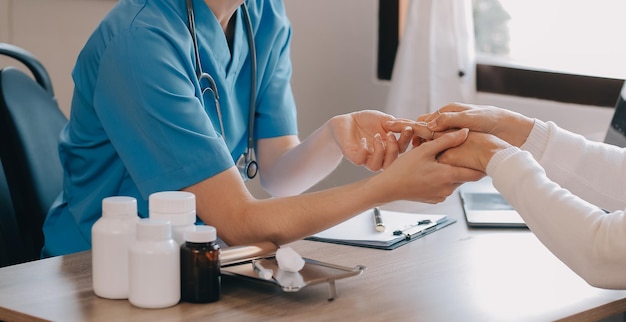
[54, 31]
[333, 53]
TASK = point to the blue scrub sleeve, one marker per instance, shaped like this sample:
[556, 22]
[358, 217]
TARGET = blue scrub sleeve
[148, 106]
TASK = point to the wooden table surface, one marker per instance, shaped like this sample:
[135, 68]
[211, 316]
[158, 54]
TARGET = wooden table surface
[455, 274]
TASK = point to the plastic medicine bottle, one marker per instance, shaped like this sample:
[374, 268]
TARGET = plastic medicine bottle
[200, 266]
[154, 263]
[111, 238]
[177, 207]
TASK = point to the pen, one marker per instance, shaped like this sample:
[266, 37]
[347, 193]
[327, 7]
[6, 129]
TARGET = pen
[380, 227]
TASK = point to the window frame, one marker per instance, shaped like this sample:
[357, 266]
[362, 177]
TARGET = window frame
[388, 37]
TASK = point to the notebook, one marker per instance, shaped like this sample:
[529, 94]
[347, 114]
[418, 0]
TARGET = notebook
[400, 228]
[484, 206]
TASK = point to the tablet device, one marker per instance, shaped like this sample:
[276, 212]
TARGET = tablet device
[616, 133]
[484, 206]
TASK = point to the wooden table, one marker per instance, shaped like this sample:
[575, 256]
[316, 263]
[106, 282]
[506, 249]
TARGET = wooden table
[455, 274]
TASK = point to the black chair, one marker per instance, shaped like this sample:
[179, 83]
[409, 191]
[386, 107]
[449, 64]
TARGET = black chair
[30, 123]
[9, 231]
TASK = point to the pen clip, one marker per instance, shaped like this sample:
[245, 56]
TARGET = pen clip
[414, 230]
[421, 227]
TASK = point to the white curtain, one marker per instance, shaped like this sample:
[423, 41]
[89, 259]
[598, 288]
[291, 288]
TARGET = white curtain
[435, 61]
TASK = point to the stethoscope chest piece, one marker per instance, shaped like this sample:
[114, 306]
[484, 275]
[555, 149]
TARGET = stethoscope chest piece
[247, 167]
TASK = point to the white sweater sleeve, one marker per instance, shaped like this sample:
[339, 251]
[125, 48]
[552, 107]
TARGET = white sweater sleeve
[592, 170]
[591, 242]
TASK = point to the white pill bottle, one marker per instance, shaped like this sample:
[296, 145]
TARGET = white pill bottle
[177, 207]
[154, 265]
[111, 238]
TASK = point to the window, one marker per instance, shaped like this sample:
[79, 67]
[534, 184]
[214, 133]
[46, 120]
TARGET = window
[564, 50]
[582, 37]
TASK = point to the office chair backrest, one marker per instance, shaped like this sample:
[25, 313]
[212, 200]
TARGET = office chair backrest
[39, 72]
[9, 230]
[30, 123]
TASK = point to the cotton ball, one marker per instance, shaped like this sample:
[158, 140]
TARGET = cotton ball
[288, 260]
[290, 281]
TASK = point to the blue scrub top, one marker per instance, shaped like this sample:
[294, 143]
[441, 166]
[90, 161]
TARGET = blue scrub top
[139, 123]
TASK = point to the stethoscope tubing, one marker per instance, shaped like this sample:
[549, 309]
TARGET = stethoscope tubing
[248, 163]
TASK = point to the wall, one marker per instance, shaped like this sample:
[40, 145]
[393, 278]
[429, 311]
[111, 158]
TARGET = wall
[4, 19]
[54, 31]
[333, 53]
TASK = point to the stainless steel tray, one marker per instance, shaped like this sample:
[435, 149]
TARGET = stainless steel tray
[313, 272]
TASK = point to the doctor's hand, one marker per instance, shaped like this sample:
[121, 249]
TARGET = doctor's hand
[418, 176]
[364, 139]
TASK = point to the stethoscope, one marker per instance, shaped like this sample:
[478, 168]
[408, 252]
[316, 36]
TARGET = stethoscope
[247, 167]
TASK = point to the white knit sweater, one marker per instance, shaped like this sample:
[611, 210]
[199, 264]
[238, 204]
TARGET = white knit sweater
[564, 204]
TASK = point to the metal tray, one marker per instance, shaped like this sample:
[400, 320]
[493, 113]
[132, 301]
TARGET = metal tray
[313, 272]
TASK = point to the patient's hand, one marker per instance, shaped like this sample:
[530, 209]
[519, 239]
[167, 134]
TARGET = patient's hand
[475, 153]
[505, 124]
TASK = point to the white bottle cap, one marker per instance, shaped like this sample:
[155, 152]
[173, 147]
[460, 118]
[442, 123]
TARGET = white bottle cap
[119, 206]
[201, 234]
[151, 229]
[177, 207]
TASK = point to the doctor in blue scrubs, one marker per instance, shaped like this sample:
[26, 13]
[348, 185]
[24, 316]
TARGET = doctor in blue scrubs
[144, 119]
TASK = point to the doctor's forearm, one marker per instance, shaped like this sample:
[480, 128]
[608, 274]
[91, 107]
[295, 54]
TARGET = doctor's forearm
[302, 166]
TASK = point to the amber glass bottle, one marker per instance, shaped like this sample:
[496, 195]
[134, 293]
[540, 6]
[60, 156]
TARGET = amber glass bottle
[200, 266]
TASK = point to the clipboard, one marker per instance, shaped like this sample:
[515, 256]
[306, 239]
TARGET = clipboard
[400, 229]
